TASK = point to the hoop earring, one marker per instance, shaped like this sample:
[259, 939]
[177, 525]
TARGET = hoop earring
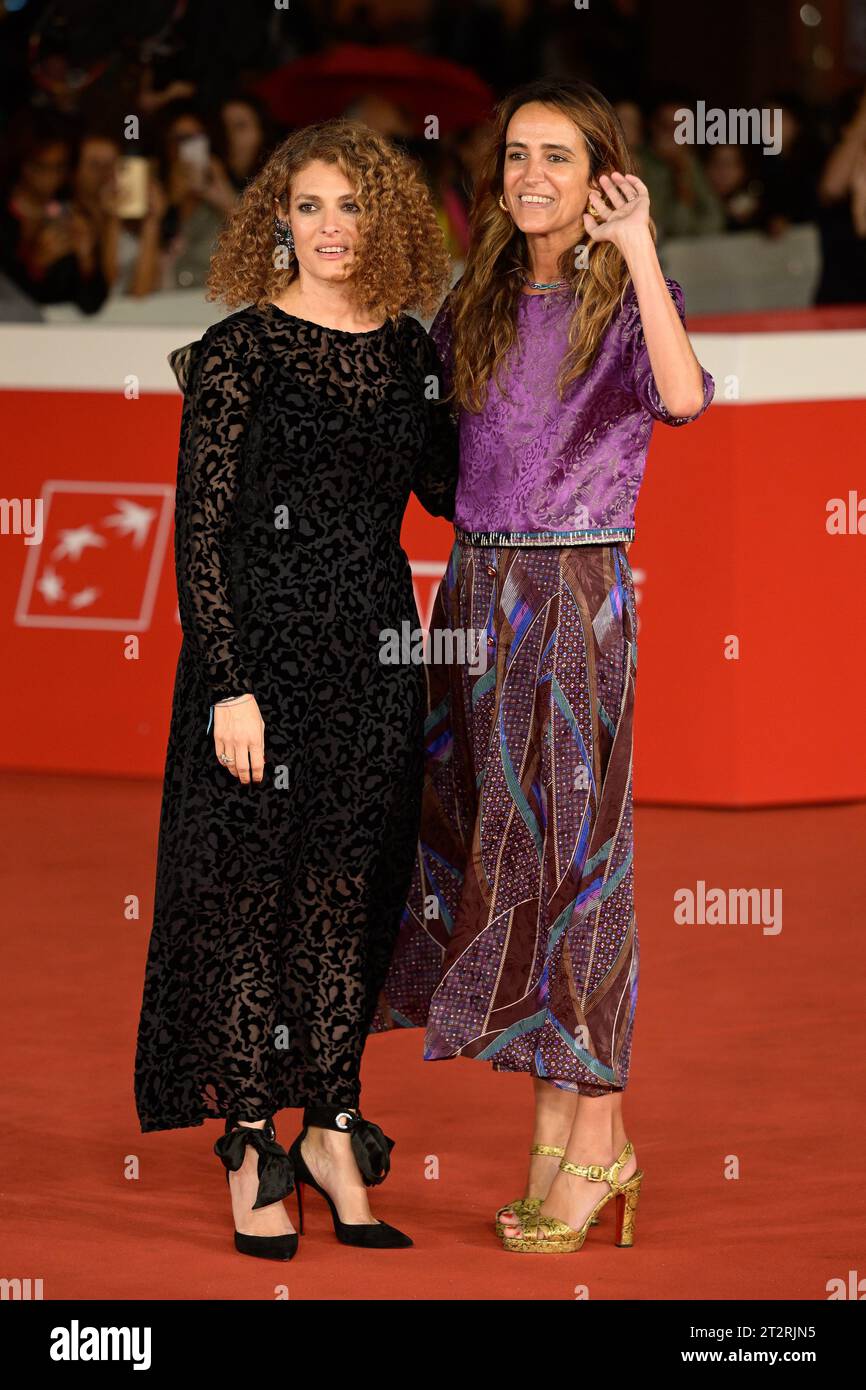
[502, 205]
[283, 235]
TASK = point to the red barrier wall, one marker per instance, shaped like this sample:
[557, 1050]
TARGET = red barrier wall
[733, 554]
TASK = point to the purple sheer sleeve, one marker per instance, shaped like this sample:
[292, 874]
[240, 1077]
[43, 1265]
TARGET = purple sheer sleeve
[637, 371]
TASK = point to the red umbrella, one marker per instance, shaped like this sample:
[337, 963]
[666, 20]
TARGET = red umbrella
[317, 88]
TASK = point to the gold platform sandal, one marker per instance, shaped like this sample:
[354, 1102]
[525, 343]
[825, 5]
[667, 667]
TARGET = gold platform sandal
[530, 1206]
[560, 1238]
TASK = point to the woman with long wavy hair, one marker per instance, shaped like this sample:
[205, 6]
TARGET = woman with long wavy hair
[289, 818]
[562, 344]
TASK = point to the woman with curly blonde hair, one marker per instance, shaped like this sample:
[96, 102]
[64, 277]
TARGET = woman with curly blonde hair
[286, 840]
[563, 344]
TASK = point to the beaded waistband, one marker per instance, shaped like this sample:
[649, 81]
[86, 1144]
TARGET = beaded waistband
[599, 535]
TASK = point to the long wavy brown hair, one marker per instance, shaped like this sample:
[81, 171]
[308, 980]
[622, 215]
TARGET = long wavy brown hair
[484, 302]
[401, 259]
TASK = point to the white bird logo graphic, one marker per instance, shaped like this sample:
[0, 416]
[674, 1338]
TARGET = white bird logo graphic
[131, 519]
[74, 542]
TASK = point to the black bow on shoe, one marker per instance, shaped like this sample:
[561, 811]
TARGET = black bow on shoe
[276, 1174]
[372, 1150]
[370, 1145]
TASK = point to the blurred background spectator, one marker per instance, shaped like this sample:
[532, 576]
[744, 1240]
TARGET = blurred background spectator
[730, 175]
[198, 194]
[842, 207]
[682, 200]
[789, 179]
[52, 246]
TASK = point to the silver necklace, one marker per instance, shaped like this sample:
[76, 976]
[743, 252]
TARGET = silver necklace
[541, 285]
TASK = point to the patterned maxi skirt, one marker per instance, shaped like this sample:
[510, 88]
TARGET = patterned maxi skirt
[519, 943]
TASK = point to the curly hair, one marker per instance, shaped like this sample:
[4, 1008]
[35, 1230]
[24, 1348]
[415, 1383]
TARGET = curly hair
[401, 260]
[483, 305]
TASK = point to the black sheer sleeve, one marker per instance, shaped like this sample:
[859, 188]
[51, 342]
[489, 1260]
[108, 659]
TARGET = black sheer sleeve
[220, 377]
[435, 481]
[441, 331]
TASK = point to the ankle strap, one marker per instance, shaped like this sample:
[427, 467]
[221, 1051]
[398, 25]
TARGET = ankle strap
[233, 1121]
[275, 1169]
[371, 1147]
[596, 1172]
[330, 1117]
[551, 1150]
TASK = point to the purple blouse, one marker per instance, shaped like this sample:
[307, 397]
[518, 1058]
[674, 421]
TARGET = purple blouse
[574, 467]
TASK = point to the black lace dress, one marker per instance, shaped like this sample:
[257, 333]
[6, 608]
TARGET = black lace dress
[277, 903]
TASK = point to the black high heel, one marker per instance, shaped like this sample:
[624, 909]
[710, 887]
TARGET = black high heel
[276, 1180]
[372, 1151]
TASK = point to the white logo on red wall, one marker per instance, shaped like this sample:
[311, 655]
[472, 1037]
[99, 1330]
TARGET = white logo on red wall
[101, 556]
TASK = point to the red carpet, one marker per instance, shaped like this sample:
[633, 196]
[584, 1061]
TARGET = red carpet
[748, 1047]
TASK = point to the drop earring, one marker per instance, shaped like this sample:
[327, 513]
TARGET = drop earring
[283, 235]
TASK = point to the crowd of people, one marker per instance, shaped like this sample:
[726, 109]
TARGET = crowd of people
[71, 231]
